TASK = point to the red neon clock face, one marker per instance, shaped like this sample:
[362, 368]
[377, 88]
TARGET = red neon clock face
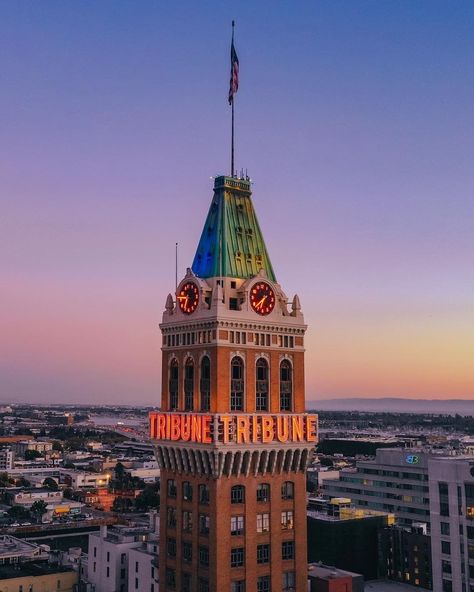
[188, 297]
[262, 298]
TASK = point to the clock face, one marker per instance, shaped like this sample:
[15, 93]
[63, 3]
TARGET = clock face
[262, 298]
[188, 297]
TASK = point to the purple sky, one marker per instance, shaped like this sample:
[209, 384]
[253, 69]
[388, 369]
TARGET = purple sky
[356, 123]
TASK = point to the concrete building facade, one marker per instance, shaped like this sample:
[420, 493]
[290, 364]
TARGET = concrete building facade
[451, 482]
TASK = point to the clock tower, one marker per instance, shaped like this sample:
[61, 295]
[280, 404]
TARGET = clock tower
[232, 437]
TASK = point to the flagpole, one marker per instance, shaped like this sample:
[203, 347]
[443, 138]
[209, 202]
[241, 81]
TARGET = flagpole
[232, 135]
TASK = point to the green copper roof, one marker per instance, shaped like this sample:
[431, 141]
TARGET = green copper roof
[231, 243]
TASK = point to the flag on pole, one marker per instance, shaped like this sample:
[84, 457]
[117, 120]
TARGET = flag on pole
[234, 73]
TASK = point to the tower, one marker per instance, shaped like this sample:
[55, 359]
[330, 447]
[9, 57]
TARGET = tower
[232, 437]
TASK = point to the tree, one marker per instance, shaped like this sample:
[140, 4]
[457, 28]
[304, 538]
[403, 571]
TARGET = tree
[50, 484]
[68, 493]
[121, 504]
[38, 509]
[4, 480]
[32, 455]
[149, 498]
[22, 482]
[18, 512]
[57, 446]
[119, 472]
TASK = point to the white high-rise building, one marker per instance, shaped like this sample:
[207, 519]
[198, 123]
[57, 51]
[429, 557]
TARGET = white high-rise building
[451, 483]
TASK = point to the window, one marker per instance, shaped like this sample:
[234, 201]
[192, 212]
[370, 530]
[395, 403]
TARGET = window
[187, 552]
[263, 492]
[263, 522]
[287, 520]
[171, 578]
[189, 385]
[205, 384]
[237, 494]
[445, 528]
[286, 386]
[288, 550]
[136, 583]
[237, 385]
[237, 557]
[187, 491]
[203, 585]
[108, 556]
[233, 304]
[108, 572]
[236, 525]
[444, 508]
[204, 556]
[185, 582]
[288, 581]
[172, 488]
[263, 553]
[447, 586]
[446, 547]
[173, 384]
[58, 585]
[446, 566]
[287, 490]
[237, 586]
[263, 584]
[95, 551]
[123, 557]
[171, 514]
[171, 547]
[443, 489]
[204, 523]
[187, 521]
[261, 386]
[203, 493]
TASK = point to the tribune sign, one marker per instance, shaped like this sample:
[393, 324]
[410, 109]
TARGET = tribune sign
[233, 428]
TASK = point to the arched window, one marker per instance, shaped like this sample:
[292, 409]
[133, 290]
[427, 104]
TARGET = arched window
[189, 385]
[173, 384]
[237, 494]
[261, 386]
[237, 384]
[286, 386]
[205, 384]
[263, 492]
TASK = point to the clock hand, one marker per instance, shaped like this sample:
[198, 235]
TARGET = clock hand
[260, 302]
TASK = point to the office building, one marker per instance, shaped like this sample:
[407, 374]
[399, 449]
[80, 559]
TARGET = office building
[232, 438]
[396, 482]
[451, 483]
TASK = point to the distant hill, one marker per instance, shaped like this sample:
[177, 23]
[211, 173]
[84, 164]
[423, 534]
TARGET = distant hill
[395, 405]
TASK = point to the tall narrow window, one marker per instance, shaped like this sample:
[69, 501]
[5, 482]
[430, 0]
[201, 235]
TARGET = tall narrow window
[262, 385]
[173, 384]
[237, 385]
[286, 386]
[205, 384]
[189, 385]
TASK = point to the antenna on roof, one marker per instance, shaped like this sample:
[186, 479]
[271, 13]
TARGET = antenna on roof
[176, 266]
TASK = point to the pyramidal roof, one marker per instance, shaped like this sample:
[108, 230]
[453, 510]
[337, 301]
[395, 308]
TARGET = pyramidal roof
[231, 243]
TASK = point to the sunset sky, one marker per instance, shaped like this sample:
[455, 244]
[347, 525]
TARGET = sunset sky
[356, 123]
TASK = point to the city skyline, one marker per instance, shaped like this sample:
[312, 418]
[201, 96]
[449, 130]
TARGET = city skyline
[354, 123]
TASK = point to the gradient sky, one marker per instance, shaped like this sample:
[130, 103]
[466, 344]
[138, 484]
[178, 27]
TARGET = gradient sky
[356, 123]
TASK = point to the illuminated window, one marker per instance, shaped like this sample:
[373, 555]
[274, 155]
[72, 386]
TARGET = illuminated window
[189, 385]
[262, 385]
[173, 384]
[286, 386]
[287, 520]
[263, 522]
[237, 385]
[236, 525]
[205, 384]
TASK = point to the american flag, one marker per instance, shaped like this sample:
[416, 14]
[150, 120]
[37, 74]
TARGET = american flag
[234, 73]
